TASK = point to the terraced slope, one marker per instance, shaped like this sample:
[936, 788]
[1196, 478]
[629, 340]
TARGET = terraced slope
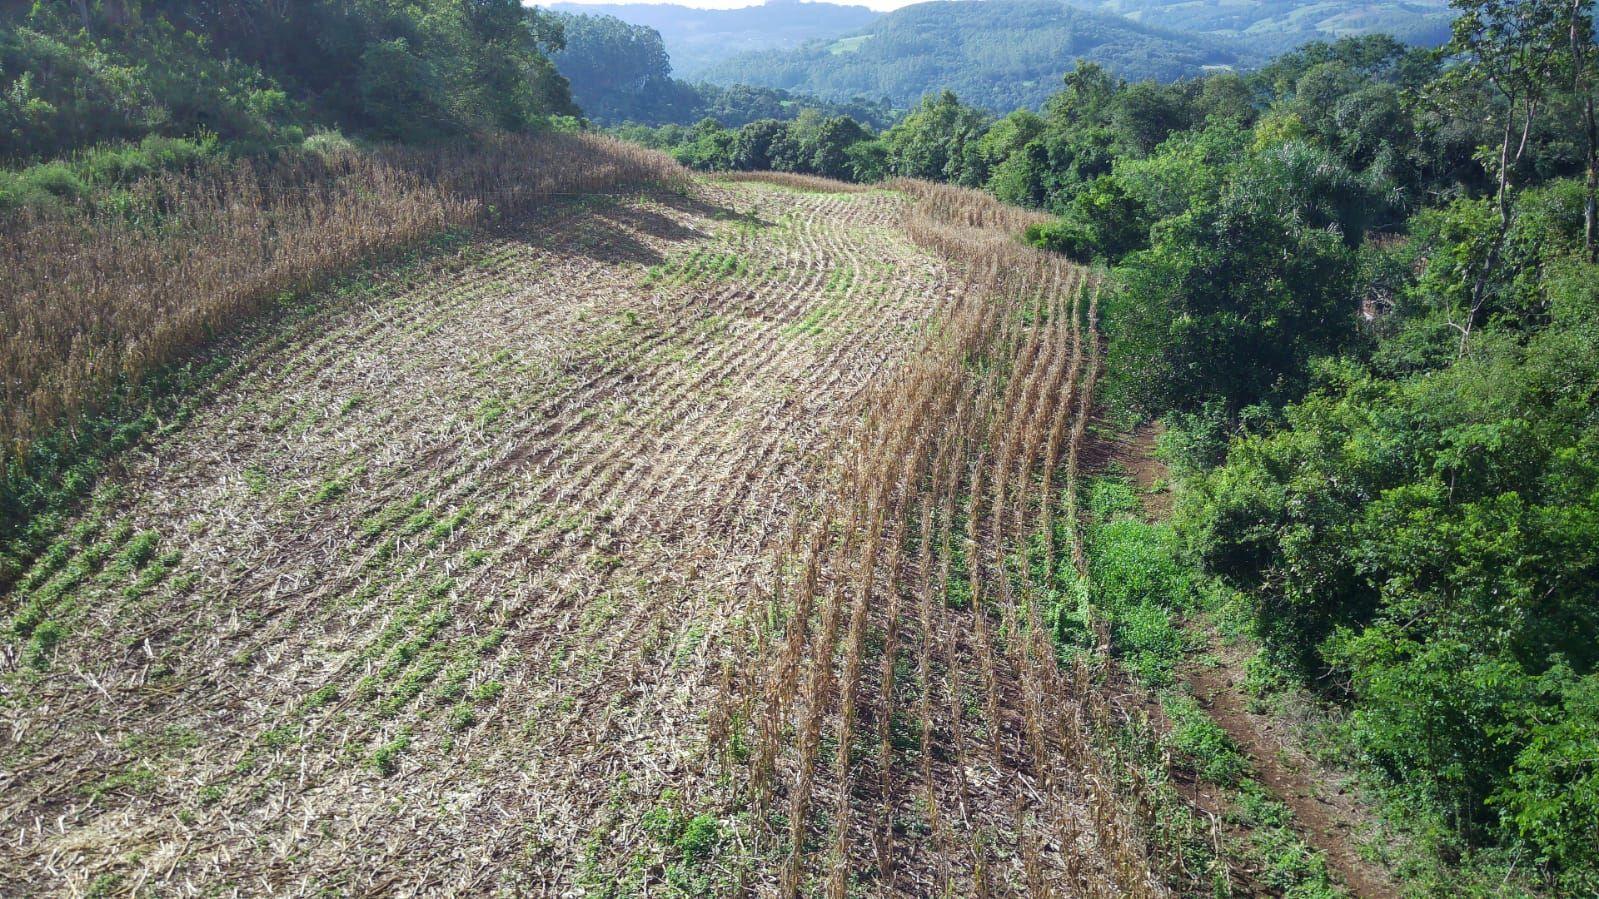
[435, 593]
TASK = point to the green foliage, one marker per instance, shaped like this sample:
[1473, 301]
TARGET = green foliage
[938, 141]
[1232, 301]
[620, 73]
[255, 75]
[1424, 544]
[691, 843]
[1379, 386]
[1551, 797]
[99, 171]
[1000, 54]
[697, 38]
[1135, 581]
[1103, 222]
[1202, 742]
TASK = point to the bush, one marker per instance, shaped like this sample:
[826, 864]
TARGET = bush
[1551, 798]
[328, 143]
[1136, 580]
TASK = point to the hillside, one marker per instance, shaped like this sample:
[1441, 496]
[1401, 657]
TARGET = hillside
[1283, 24]
[1188, 488]
[464, 579]
[620, 72]
[997, 54]
[459, 555]
[699, 38]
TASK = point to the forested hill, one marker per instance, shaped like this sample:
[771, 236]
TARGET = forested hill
[999, 54]
[1279, 25]
[259, 77]
[620, 72]
[699, 38]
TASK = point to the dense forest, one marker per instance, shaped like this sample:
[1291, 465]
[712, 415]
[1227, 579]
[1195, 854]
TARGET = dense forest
[1359, 287]
[157, 84]
[698, 38]
[82, 73]
[998, 55]
[622, 73]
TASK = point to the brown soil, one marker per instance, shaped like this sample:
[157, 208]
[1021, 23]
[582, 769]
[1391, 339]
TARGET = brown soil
[1326, 815]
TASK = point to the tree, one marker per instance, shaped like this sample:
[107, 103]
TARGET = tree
[1147, 113]
[752, 149]
[1225, 97]
[1520, 51]
[1579, 21]
[931, 141]
[833, 139]
[1087, 97]
[1233, 301]
[401, 93]
[617, 71]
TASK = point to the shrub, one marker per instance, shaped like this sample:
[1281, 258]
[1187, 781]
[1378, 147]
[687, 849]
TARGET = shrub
[328, 143]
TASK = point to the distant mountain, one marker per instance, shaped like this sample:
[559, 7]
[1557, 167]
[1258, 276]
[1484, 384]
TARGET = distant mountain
[698, 38]
[619, 73]
[1000, 54]
[1277, 25]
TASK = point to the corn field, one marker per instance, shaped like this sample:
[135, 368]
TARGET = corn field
[100, 295]
[696, 542]
[910, 722]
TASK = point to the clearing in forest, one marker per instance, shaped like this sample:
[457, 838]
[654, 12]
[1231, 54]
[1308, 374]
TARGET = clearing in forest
[694, 543]
[439, 580]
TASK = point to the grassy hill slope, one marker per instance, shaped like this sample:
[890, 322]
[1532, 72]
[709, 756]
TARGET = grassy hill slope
[1279, 25]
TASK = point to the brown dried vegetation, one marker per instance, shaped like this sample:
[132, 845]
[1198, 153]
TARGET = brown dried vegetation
[721, 506]
[434, 593]
[102, 294]
[795, 181]
[960, 761]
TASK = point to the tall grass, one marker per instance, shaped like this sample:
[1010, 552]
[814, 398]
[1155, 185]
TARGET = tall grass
[98, 296]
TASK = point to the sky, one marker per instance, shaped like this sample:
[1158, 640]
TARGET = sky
[879, 5]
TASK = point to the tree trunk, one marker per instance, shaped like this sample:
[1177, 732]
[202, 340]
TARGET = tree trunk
[1590, 239]
[1479, 287]
[1581, 46]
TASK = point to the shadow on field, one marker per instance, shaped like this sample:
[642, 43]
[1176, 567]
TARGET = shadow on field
[626, 226]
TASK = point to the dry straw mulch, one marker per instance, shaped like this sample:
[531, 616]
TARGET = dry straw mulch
[103, 294]
[437, 592]
[909, 722]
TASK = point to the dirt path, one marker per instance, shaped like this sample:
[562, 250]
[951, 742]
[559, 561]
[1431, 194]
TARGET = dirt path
[430, 597]
[1326, 816]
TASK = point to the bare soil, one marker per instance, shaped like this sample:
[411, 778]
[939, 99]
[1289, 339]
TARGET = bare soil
[1326, 814]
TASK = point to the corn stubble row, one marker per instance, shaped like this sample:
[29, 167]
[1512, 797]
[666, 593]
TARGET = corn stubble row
[103, 295]
[912, 728]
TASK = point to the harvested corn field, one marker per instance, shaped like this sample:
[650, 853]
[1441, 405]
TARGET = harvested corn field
[441, 580]
[687, 543]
